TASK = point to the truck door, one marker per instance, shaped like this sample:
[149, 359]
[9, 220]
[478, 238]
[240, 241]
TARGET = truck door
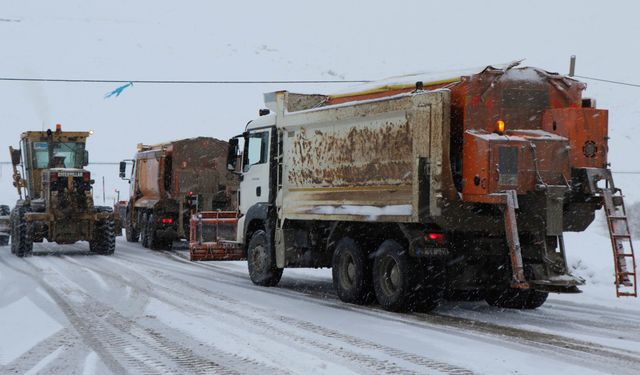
[254, 186]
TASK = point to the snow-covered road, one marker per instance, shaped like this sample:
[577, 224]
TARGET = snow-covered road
[65, 311]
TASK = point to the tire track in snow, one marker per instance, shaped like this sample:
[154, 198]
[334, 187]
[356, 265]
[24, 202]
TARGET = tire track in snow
[42, 349]
[116, 339]
[445, 323]
[364, 359]
[182, 302]
[183, 355]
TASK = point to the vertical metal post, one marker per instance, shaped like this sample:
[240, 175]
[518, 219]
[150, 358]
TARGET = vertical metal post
[572, 65]
[104, 196]
[513, 240]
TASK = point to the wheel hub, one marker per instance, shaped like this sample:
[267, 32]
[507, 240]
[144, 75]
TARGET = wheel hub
[348, 272]
[391, 278]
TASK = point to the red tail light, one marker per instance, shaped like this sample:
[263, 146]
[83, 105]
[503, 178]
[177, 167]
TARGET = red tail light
[86, 176]
[167, 220]
[53, 177]
[435, 237]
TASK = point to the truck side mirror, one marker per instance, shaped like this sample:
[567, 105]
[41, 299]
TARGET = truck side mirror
[16, 156]
[232, 156]
[86, 158]
[123, 169]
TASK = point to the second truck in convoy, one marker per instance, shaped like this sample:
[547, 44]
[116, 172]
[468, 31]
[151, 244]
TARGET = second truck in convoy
[411, 192]
[171, 180]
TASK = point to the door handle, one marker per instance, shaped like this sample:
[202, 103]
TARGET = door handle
[258, 191]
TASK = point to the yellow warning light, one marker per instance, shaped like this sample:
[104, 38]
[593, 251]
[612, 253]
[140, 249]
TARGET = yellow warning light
[58, 127]
[500, 126]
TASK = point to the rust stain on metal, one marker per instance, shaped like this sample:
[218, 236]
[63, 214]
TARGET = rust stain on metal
[360, 156]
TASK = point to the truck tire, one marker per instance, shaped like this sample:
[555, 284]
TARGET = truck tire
[153, 241]
[510, 298]
[261, 260]
[144, 231]
[351, 270]
[104, 235]
[131, 233]
[393, 277]
[22, 241]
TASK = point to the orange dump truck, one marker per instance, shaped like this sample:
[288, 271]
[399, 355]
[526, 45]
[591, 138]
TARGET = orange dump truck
[169, 182]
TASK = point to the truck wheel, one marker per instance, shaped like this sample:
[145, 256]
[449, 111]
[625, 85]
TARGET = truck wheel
[144, 231]
[352, 273]
[523, 299]
[262, 261]
[153, 241]
[393, 276]
[131, 233]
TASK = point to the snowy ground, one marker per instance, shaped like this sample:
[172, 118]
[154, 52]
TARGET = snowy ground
[65, 311]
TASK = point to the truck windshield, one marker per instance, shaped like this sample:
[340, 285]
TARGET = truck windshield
[65, 154]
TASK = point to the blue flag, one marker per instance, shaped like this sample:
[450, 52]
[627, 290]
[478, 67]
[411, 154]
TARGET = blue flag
[118, 91]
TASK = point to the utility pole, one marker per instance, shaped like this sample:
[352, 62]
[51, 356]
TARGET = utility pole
[572, 65]
[104, 198]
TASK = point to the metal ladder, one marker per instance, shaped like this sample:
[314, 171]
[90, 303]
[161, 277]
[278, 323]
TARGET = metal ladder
[619, 231]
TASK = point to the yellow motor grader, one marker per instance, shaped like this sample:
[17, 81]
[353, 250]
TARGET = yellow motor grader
[56, 197]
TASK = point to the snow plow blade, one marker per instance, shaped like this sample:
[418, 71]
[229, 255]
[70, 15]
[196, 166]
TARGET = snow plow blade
[212, 236]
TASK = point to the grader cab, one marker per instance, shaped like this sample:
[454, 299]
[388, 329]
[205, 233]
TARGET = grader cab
[56, 195]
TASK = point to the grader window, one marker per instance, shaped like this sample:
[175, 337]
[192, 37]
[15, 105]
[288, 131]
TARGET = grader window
[66, 155]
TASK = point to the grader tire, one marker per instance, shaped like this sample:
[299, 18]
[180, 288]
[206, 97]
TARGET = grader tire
[104, 238]
[22, 241]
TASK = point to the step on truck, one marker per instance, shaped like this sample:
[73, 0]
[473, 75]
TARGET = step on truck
[56, 195]
[413, 193]
[171, 181]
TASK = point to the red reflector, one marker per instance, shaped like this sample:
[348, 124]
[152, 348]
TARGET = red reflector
[167, 220]
[86, 176]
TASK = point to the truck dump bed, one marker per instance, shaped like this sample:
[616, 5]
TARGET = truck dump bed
[190, 166]
[378, 160]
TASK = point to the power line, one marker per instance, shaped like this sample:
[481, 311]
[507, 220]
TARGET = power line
[178, 82]
[91, 163]
[236, 82]
[609, 81]
[117, 163]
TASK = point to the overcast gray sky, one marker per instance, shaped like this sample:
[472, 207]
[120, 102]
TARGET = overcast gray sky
[281, 40]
